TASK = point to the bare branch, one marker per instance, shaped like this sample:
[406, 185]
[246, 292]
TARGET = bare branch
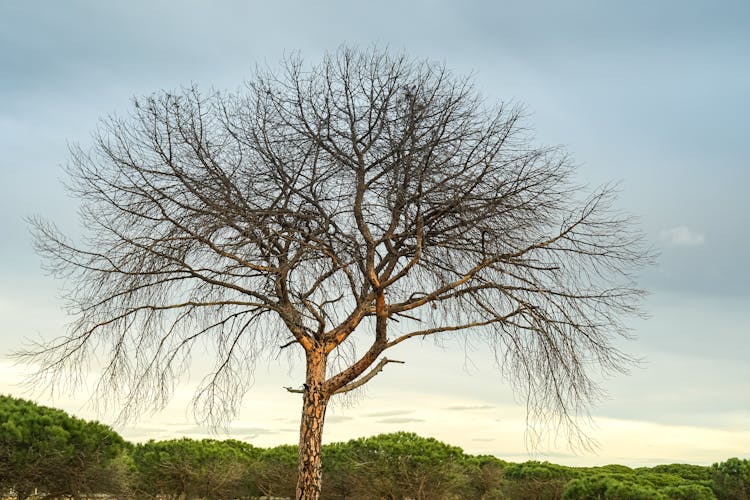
[366, 378]
[443, 329]
[367, 198]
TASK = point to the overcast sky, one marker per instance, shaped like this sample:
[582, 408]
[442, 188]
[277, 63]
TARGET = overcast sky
[653, 95]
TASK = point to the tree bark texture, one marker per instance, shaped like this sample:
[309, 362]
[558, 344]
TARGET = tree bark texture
[315, 400]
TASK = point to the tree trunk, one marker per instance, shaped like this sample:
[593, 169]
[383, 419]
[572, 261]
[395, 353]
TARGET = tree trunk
[311, 427]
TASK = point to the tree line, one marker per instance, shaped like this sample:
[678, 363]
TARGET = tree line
[46, 453]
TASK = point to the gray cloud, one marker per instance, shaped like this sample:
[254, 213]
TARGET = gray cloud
[468, 408]
[399, 420]
[682, 236]
[197, 430]
[338, 418]
[391, 413]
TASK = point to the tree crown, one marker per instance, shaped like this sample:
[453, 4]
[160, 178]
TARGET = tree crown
[370, 194]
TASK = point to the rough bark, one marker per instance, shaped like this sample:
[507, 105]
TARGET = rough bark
[314, 402]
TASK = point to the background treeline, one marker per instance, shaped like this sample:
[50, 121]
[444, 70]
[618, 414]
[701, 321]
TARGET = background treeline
[46, 451]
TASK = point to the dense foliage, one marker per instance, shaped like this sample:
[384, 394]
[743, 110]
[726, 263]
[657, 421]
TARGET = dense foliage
[207, 468]
[47, 451]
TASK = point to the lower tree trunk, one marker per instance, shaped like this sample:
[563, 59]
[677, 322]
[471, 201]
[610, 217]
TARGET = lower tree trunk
[314, 404]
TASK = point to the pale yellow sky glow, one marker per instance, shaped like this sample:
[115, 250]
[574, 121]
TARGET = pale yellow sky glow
[480, 425]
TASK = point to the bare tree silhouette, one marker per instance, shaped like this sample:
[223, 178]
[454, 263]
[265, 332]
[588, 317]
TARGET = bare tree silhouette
[371, 198]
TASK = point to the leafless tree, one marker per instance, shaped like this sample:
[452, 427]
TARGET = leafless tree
[368, 200]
